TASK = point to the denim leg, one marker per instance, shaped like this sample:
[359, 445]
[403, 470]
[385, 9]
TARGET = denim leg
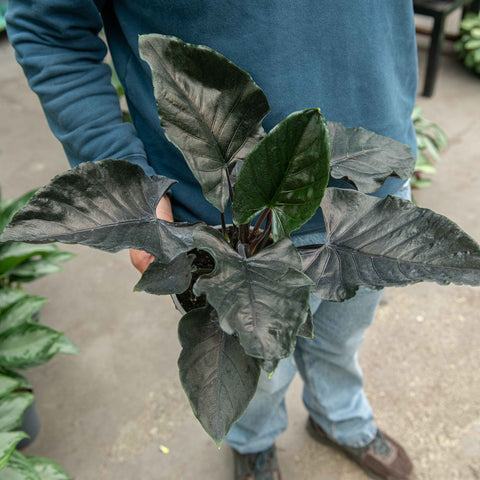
[333, 382]
[266, 415]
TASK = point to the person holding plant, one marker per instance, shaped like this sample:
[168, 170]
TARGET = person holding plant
[355, 60]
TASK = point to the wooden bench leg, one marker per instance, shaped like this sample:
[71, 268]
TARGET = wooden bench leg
[434, 54]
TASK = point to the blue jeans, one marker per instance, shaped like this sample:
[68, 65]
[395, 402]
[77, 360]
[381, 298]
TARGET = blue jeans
[328, 364]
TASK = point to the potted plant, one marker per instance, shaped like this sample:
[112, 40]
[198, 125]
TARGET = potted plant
[24, 343]
[257, 289]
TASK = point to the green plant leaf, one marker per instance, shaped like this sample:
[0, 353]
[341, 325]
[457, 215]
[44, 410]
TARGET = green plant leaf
[23, 381]
[32, 270]
[62, 345]
[210, 109]
[287, 172]
[365, 159]
[26, 344]
[11, 207]
[263, 299]
[14, 253]
[389, 242]
[20, 312]
[12, 408]
[7, 384]
[9, 296]
[8, 442]
[166, 279]
[217, 376]
[47, 469]
[18, 468]
[109, 205]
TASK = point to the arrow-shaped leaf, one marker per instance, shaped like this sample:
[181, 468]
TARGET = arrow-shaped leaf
[217, 376]
[389, 242]
[210, 109]
[263, 299]
[287, 172]
[109, 205]
[366, 159]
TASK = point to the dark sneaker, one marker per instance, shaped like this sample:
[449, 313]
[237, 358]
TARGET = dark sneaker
[382, 459]
[257, 466]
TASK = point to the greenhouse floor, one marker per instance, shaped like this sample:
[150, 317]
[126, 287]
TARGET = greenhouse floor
[109, 413]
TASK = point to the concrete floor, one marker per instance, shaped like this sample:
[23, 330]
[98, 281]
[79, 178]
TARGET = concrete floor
[107, 413]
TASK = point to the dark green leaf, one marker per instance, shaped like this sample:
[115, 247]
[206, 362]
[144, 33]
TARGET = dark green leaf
[8, 442]
[390, 242]
[217, 376]
[11, 207]
[263, 299]
[48, 469]
[14, 253]
[306, 329]
[166, 279]
[287, 172]
[108, 205]
[366, 159]
[26, 344]
[12, 408]
[7, 384]
[210, 109]
[20, 312]
[18, 468]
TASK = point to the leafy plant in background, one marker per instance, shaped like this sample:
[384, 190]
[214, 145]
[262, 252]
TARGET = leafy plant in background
[24, 343]
[3, 11]
[258, 287]
[431, 140]
[468, 46]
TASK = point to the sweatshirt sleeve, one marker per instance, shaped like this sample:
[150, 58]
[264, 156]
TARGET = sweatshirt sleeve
[57, 44]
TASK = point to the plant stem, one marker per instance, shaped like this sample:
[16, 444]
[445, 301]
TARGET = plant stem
[259, 222]
[262, 240]
[224, 227]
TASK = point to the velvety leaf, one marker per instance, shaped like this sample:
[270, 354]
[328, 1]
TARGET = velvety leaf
[210, 109]
[390, 242]
[217, 376]
[12, 408]
[287, 172]
[9, 296]
[26, 344]
[263, 299]
[18, 468]
[48, 469]
[14, 253]
[20, 312]
[7, 384]
[306, 329]
[366, 159]
[167, 278]
[8, 442]
[11, 207]
[108, 205]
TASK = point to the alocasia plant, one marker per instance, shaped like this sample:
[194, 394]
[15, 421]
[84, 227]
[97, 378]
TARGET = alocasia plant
[257, 294]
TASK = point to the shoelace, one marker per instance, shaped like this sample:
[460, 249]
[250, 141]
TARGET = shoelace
[380, 446]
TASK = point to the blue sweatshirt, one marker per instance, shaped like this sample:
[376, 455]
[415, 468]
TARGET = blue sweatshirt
[356, 60]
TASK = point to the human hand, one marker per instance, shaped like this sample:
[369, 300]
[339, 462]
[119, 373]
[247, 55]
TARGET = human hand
[140, 259]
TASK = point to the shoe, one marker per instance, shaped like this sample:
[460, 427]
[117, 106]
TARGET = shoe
[257, 466]
[382, 459]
